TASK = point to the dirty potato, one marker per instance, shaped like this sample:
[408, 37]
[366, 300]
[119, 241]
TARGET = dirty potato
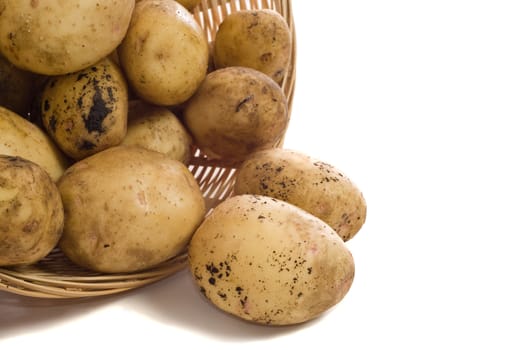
[308, 183]
[86, 112]
[128, 209]
[258, 39]
[270, 262]
[19, 137]
[165, 53]
[58, 37]
[158, 129]
[31, 212]
[235, 112]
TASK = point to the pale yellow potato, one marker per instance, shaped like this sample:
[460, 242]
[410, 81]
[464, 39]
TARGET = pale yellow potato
[164, 53]
[86, 112]
[32, 214]
[128, 209]
[308, 183]
[19, 137]
[158, 129]
[236, 111]
[58, 37]
[270, 262]
[259, 39]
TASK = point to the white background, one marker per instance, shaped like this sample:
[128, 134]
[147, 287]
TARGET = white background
[419, 103]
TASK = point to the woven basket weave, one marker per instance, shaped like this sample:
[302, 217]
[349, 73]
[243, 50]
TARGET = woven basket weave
[56, 277]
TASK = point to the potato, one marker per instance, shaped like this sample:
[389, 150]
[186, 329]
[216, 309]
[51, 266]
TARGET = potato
[17, 87]
[235, 112]
[268, 261]
[258, 39]
[165, 53]
[308, 183]
[32, 214]
[59, 37]
[158, 129]
[128, 209]
[24, 139]
[86, 112]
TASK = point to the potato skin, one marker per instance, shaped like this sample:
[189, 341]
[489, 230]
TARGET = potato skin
[31, 212]
[258, 39]
[22, 138]
[58, 37]
[267, 261]
[165, 53]
[236, 111]
[128, 209]
[308, 183]
[86, 112]
[158, 129]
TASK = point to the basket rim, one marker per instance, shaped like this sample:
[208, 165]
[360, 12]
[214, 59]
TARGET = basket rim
[41, 281]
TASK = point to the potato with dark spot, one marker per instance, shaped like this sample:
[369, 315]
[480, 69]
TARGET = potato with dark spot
[235, 112]
[19, 137]
[259, 39]
[31, 212]
[86, 112]
[268, 261]
[128, 209]
[165, 53]
[158, 129]
[57, 37]
[308, 183]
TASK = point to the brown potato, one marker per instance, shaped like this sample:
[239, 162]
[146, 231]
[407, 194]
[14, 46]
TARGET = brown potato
[236, 111]
[258, 39]
[308, 183]
[128, 209]
[86, 112]
[32, 214]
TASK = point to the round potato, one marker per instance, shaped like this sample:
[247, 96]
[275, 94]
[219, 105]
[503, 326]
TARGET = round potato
[128, 209]
[158, 129]
[236, 111]
[308, 183]
[86, 112]
[58, 37]
[22, 138]
[165, 53]
[267, 261]
[258, 39]
[32, 214]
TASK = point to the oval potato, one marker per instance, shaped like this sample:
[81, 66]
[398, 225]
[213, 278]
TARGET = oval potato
[258, 38]
[58, 37]
[158, 129]
[267, 261]
[165, 53]
[86, 112]
[32, 214]
[308, 183]
[22, 138]
[128, 209]
[236, 111]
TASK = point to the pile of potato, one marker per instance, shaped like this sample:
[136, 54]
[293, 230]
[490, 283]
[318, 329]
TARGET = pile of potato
[94, 158]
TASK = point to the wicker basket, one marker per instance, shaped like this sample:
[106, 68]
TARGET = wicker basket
[56, 277]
